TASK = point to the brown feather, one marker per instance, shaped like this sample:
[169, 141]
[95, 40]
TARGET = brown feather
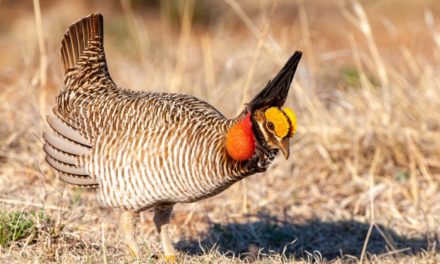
[77, 39]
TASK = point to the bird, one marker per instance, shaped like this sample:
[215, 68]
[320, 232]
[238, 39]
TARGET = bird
[143, 150]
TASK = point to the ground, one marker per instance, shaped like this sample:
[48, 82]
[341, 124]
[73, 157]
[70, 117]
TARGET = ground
[362, 183]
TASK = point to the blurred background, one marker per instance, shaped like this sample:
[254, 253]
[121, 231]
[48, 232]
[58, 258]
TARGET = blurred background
[361, 184]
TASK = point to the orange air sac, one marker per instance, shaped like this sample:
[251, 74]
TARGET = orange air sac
[240, 140]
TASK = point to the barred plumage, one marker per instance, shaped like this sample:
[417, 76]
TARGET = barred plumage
[142, 149]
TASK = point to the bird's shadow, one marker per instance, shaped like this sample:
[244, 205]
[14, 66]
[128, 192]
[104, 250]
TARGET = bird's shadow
[268, 235]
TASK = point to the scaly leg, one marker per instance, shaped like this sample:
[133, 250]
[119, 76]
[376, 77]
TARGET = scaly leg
[161, 219]
[127, 229]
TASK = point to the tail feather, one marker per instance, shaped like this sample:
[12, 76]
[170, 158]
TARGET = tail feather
[78, 38]
[82, 50]
[276, 90]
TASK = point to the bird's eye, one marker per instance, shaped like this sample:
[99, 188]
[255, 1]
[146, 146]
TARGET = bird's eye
[270, 125]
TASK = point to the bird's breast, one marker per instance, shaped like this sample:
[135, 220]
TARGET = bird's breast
[181, 162]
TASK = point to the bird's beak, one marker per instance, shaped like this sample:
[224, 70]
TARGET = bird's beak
[284, 146]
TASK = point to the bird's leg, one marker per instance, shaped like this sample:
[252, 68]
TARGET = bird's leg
[127, 229]
[161, 220]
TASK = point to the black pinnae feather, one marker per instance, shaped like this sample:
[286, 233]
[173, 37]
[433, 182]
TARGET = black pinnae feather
[276, 90]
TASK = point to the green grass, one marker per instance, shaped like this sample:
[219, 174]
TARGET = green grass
[22, 226]
[351, 76]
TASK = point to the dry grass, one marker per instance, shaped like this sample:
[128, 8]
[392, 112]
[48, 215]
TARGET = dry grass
[363, 180]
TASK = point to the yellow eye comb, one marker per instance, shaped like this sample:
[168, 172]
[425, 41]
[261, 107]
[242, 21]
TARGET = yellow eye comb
[279, 120]
[292, 117]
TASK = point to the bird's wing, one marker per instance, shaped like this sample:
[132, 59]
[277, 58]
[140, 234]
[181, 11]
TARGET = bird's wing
[63, 146]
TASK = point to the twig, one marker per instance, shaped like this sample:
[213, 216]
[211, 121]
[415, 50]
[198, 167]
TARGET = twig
[245, 94]
[43, 56]
[273, 49]
[305, 28]
[184, 40]
[361, 22]
[25, 203]
[136, 32]
[104, 250]
[208, 64]
[372, 171]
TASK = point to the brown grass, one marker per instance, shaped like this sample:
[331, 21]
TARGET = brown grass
[363, 180]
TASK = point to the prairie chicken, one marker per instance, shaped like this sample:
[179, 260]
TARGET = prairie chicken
[143, 150]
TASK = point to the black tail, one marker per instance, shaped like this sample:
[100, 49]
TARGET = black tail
[276, 90]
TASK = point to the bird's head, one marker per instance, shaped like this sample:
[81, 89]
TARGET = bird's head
[276, 126]
[265, 121]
